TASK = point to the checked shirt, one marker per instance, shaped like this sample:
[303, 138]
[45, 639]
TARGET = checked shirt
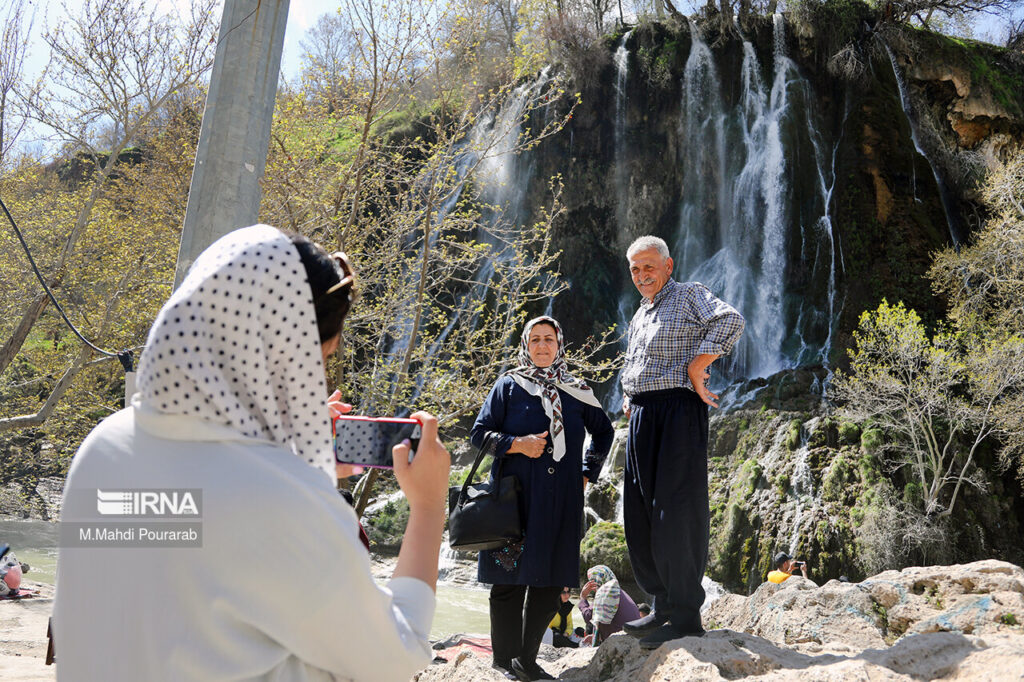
[682, 321]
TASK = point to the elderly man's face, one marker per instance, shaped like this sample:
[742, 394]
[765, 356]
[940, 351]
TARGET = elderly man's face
[649, 271]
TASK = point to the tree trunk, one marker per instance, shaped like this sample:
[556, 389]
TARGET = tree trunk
[17, 340]
[363, 490]
[29, 420]
[366, 486]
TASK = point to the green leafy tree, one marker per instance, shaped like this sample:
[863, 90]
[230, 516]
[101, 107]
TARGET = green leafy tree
[114, 67]
[984, 283]
[940, 398]
[411, 173]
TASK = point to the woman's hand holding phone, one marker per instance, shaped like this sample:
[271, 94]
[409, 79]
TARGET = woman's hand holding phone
[425, 480]
[337, 408]
[425, 484]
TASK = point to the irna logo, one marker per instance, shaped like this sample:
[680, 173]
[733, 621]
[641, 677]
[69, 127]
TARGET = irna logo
[148, 503]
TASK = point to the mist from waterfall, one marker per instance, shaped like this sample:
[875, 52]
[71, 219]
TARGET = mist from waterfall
[489, 157]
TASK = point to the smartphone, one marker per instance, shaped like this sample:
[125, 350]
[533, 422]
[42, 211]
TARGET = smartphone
[367, 441]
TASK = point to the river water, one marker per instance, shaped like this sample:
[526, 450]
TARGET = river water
[460, 608]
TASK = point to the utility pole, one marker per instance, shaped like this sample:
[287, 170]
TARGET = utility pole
[235, 133]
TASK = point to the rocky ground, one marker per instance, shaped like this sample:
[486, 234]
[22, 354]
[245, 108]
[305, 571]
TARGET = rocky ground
[935, 623]
[41, 502]
[23, 635]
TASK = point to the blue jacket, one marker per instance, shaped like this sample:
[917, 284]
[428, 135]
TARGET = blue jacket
[552, 492]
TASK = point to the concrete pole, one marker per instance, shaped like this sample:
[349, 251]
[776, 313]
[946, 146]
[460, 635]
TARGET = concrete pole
[235, 134]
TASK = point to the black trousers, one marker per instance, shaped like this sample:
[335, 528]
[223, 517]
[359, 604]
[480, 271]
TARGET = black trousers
[516, 632]
[665, 501]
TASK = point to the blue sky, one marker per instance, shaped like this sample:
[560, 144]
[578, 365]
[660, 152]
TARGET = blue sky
[302, 14]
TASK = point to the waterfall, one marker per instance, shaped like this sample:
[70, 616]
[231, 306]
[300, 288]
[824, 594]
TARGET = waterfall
[747, 169]
[488, 155]
[447, 559]
[712, 592]
[802, 483]
[621, 60]
[613, 399]
[382, 502]
[956, 230]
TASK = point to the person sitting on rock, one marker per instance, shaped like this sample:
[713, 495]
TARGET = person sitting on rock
[785, 565]
[612, 606]
[561, 628]
[11, 571]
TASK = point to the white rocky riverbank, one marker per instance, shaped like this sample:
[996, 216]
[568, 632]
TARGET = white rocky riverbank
[934, 623]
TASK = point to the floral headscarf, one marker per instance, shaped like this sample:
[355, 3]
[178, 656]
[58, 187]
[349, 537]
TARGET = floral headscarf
[544, 382]
[600, 574]
[606, 602]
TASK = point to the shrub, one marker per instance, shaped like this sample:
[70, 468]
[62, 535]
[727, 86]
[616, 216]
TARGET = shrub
[837, 481]
[871, 440]
[386, 528]
[793, 437]
[605, 543]
[459, 476]
[849, 433]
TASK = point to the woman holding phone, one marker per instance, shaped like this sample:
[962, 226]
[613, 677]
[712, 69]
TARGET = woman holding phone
[535, 419]
[230, 403]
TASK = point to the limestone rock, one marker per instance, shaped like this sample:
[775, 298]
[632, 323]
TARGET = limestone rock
[978, 598]
[837, 616]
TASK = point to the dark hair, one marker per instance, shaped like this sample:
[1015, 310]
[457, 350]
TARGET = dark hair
[323, 272]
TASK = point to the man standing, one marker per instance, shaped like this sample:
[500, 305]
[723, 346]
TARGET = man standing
[675, 335]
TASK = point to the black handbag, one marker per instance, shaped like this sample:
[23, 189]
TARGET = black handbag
[484, 515]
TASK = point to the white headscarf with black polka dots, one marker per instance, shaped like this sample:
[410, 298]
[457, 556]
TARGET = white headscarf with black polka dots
[237, 344]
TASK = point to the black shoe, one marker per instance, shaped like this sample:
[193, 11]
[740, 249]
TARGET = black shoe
[667, 633]
[528, 672]
[644, 626]
[506, 671]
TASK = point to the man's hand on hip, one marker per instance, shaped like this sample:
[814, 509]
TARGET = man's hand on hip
[699, 375]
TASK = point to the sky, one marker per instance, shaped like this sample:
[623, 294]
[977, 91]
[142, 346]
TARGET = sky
[302, 14]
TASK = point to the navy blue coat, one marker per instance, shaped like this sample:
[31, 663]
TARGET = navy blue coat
[552, 492]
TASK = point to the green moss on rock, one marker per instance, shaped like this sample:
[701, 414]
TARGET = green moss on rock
[605, 543]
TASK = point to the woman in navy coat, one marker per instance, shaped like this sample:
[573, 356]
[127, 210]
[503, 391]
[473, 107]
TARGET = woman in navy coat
[536, 417]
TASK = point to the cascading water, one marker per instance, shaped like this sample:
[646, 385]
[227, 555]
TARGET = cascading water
[743, 163]
[447, 560]
[957, 232]
[613, 400]
[803, 486]
[490, 156]
[621, 60]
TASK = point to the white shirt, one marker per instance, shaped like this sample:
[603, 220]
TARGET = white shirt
[280, 590]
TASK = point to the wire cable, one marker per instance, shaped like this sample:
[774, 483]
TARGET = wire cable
[125, 356]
